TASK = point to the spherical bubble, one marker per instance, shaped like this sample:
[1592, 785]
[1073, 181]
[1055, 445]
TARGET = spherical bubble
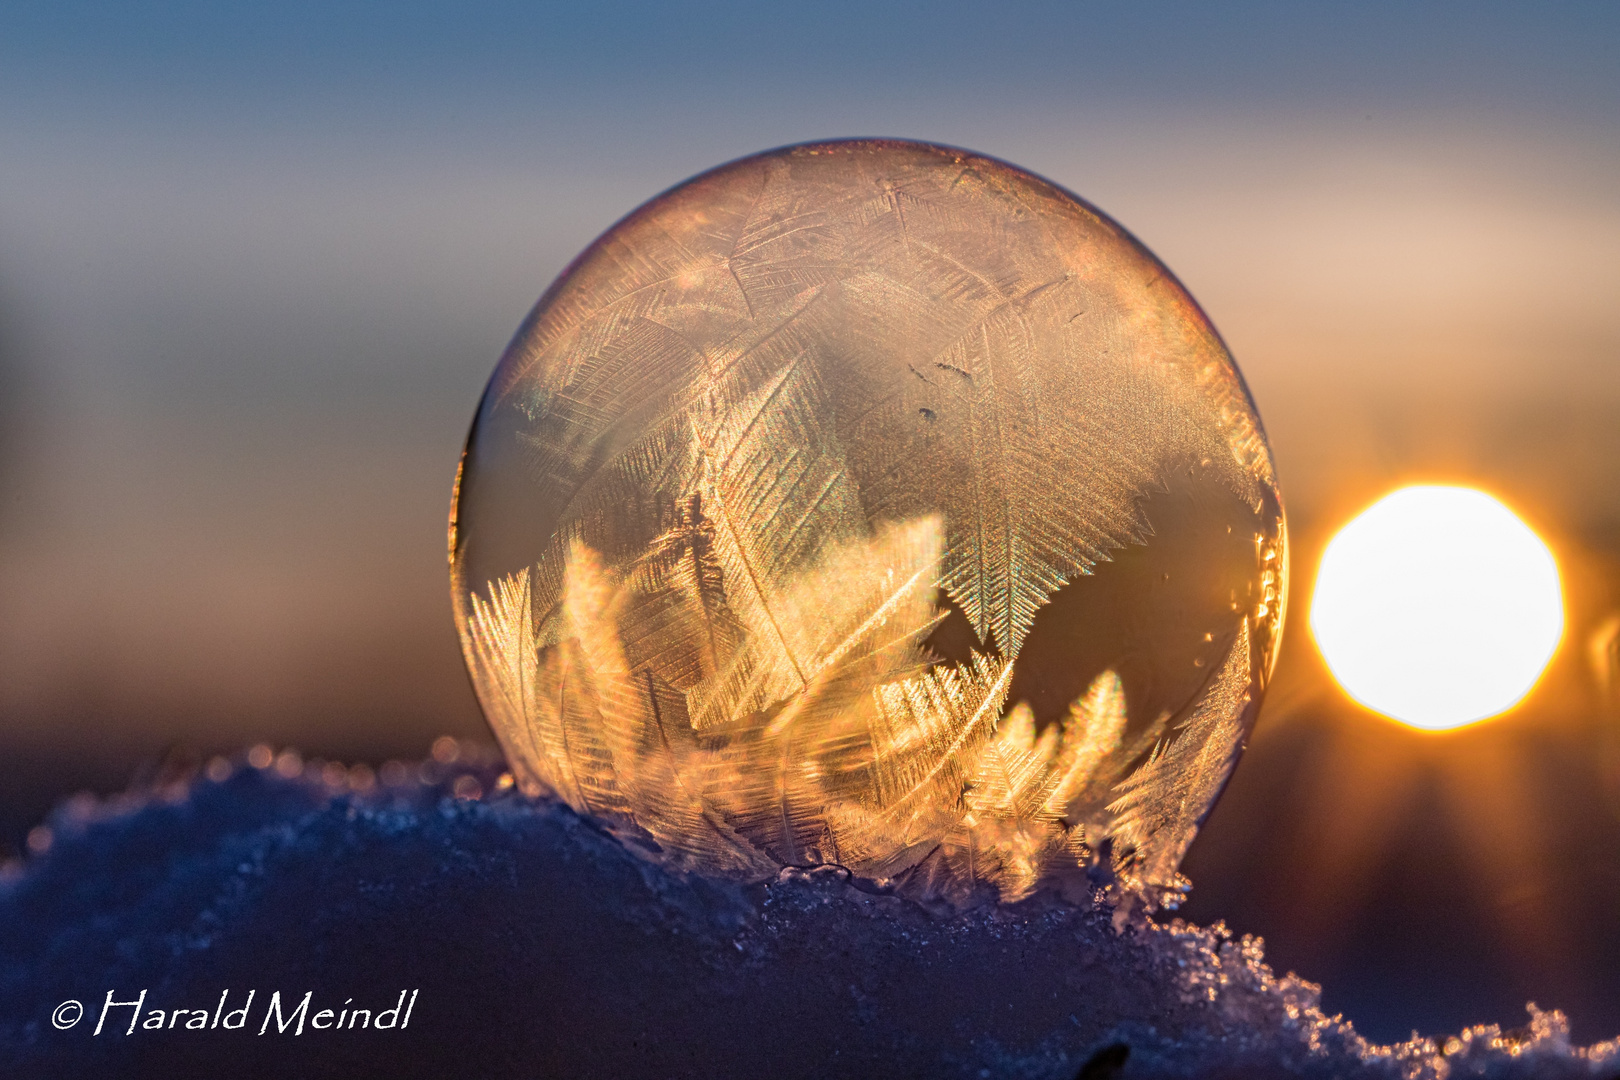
[877, 504]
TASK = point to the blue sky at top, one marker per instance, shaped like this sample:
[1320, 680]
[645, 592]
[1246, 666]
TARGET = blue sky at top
[1557, 61]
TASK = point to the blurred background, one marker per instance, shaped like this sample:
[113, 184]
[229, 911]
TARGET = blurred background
[256, 262]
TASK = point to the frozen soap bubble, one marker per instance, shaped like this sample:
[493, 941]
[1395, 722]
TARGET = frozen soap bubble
[873, 504]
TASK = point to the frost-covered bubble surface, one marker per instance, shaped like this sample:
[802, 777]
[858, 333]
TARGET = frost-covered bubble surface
[873, 504]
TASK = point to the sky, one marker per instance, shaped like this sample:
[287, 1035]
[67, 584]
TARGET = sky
[257, 262]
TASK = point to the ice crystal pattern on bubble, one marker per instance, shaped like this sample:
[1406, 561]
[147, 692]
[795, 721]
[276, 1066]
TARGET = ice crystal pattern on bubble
[774, 432]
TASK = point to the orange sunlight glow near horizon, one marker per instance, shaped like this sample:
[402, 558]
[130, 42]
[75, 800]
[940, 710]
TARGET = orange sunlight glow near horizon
[1437, 607]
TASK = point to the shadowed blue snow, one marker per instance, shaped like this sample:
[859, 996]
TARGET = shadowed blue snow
[540, 946]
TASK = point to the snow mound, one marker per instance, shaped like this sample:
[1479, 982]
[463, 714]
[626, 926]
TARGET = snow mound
[534, 944]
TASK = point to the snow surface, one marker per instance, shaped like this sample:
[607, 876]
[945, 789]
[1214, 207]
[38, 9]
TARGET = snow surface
[541, 946]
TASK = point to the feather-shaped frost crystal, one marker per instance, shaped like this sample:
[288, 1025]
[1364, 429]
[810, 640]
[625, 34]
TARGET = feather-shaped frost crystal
[873, 504]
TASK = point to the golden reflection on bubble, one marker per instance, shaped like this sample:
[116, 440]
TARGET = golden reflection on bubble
[877, 504]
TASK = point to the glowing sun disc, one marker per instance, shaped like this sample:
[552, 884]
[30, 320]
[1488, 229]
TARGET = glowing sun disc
[1437, 607]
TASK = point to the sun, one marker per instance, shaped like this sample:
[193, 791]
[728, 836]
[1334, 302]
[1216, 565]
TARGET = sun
[1437, 607]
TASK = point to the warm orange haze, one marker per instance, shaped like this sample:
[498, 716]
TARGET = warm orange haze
[1437, 607]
